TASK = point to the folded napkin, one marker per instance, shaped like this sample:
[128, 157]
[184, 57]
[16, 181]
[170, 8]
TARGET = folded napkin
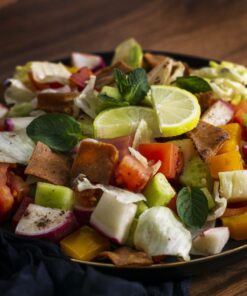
[34, 267]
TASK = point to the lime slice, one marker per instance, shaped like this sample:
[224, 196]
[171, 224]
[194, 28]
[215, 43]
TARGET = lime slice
[123, 121]
[130, 52]
[178, 110]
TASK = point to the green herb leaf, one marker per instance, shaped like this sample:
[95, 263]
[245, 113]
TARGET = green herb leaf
[132, 87]
[194, 84]
[108, 102]
[58, 131]
[192, 206]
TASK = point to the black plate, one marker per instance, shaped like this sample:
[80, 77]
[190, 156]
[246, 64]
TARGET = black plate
[174, 269]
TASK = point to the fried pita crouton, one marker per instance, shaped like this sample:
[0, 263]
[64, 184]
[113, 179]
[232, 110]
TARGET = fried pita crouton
[126, 257]
[96, 160]
[105, 76]
[57, 102]
[208, 139]
[152, 60]
[206, 100]
[49, 166]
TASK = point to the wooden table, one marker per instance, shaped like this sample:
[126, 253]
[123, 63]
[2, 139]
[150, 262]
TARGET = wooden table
[46, 30]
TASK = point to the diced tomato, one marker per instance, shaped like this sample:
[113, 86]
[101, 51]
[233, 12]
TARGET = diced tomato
[80, 78]
[169, 155]
[132, 174]
[21, 209]
[6, 198]
[18, 187]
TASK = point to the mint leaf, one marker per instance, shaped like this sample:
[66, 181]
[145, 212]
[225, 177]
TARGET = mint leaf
[192, 206]
[193, 84]
[59, 131]
[132, 87]
[109, 102]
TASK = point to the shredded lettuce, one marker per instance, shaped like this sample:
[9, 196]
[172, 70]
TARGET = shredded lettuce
[15, 147]
[220, 204]
[122, 195]
[159, 232]
[17, 92]
[46, 72]
[143, 134]
[227, 80]
[21, 109]
[22, 74]
[87, 101]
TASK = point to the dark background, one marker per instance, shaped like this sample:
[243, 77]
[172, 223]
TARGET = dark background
[51, 29]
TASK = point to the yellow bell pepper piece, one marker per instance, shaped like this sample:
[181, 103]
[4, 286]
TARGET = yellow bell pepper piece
[72, 70]
[237, 226]
[84, 244]
[230, 161]
[234, 130]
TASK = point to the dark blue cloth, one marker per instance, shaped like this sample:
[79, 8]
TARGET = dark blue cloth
[35, 268]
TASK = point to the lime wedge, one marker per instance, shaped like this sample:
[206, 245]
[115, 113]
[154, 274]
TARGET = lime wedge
[130, 52]
[178, 110]
[123, 121]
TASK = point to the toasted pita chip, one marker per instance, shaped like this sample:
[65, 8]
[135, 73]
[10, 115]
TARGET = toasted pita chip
[49, 166]
[208, 139]
[105, 76]
[96, 160]
[152, 60]
[125, 257]
[206, 100]
[57, 102]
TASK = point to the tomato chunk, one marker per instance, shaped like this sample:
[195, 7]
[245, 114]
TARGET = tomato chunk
[80, 78]
[169, 155]
[132, 174]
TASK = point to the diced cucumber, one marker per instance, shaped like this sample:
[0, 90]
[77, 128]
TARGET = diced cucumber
[54, 196]
[111, 92]
[196, 174]
[211, 202]
[141, 207]
[86, 124]
[130, 240]
[158, 191]
[187, 147]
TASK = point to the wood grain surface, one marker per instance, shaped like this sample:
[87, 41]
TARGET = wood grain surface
[46, 30]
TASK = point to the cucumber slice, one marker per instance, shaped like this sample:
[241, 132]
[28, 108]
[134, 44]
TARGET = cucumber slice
[141, 207]
[158, 191]
[54, 196]
[196, 174]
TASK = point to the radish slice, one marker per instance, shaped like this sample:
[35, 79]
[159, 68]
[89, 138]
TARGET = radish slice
[93, 62]
[46, 223]
[113, 218]
[17, 123]
[219, 113]
[211, 241]
[83, 214]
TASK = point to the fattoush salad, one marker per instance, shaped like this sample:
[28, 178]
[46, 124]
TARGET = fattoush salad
[130, 162]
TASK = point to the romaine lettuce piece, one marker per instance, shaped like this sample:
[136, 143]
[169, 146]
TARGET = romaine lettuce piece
[17, 92]
[159, 232]
[15, 147]
[130, 52]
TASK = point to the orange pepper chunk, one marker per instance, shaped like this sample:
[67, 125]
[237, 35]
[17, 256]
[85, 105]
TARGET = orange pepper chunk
[237, 226]
[84, 244]
[235, 131]
[230, 161]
